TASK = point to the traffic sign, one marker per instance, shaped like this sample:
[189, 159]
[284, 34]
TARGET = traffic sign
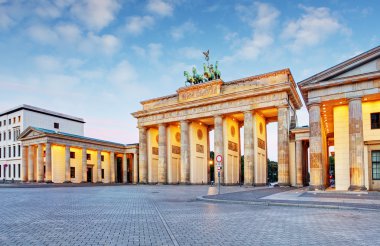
[219, 168]
[219, 158]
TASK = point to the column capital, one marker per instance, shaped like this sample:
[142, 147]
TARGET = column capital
[283, 106]
[358, 98]
[251, 111]
[313, 104]
[219, 116]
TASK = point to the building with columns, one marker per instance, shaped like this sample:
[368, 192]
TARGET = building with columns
[15, 120]
[174, 142]
[344, 114]
[52, 156]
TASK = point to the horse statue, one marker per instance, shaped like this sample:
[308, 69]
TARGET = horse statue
[206, 72]
[189, 78]
[212, 72]
[217, 72]
[197, 77]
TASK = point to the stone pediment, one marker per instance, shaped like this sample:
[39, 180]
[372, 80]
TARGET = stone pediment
[365, 63]
[30, 132]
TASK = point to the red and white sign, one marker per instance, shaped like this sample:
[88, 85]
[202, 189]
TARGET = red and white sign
[219, 168]
[219, 158]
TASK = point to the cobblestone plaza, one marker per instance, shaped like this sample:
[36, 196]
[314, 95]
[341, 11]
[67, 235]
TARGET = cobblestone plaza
[169, 215]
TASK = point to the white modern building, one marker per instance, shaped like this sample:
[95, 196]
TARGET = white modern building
[16, 120]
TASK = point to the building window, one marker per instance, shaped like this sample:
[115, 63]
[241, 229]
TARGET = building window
[72, 172]
[9, 135]
[0, 137]
[0, 153]
[19, 150]
[0, 170]
[19, 119]
[10, 121]
[1, 123]
[56, 125]
[14, 151]
[9, 170]
[102, 173]
[14, 120]
[376, 165]
[5, 136]
[4, 152]
[375, 121]
[19, 170]
[9, 151]
[5, 122]
[5, 171]
[72, 155]
[89, 157]
[14, 170]
[102, 157]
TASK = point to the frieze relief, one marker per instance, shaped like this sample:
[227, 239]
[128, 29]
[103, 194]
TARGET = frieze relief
[196, 92]
[154, 150]
[261, 143]
[176, 150]
[200, 148]
[232, 146]
[209, 110]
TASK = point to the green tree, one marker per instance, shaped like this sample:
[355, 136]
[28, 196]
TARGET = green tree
[272, 171]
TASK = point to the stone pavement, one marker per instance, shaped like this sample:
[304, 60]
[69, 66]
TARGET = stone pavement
[169, 215]
[301, 197]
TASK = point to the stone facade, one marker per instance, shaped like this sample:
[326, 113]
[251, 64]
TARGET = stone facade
[223, 107]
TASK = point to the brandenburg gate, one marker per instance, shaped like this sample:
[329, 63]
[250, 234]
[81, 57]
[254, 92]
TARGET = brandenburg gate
[174, 144]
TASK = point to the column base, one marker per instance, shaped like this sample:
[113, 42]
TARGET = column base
[67, 182]
[283, 184]
[49, 182]
[357, 188]
[99, 182]
[40, 181]
[83, 182]
[316, 187]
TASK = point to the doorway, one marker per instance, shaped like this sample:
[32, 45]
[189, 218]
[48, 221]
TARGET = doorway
[119, 170]
[89, 174]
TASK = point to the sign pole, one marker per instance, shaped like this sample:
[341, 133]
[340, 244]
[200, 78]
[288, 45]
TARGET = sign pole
[219, 160]
[218, 178]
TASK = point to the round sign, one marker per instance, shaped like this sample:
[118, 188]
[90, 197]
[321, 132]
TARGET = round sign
[219, 158]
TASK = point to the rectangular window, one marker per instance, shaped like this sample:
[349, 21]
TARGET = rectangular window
[1, 123]
[5, 171]
[19, 150]
[10, 121]
[102, 157]
[0, 137]
[102, 173]
[4, 152]
[375, 121]
[9, 170]
[72, 155]
[72, 172]
[56, 125]
[19, 170]
[9, 135]
[5, 122]
[9, 151]
[5, 136]
[0, 170]
[14, 170]
[0, 153]
[14, 151]
[376, 165]
[14, 120]
[19, 119]
[89, 157]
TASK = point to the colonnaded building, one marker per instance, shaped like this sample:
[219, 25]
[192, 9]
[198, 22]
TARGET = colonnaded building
[174, 145]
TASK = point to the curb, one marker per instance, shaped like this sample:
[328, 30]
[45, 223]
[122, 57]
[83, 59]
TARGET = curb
[283, 204]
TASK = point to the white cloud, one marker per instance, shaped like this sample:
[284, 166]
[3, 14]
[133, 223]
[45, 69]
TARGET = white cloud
[179, 32]
[42, 34]
[261, 17]
[107, 44]
[69, 32]
[136, 24]
[48, 10]
[95, 14]
[123, 73]
[312, 28]
[160, 7]
[48, 63]
[5, 20]
[153, 52]
[190, 53]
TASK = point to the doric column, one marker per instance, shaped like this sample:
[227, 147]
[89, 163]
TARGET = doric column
[135, 168]
[49, 178]
[248, 148]
[283, 146]
[143, 158]
[299, 176]
[185, 153]
[125, 168]
[356, 144]
[316, 170]
[112, 167]
[84, 165]
[40, 164]
[31, 164]
[162, 154]
[218, 146]
[67, 164]
[99, 165]
[24, 167]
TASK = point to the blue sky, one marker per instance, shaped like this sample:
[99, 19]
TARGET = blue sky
[98, 59]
